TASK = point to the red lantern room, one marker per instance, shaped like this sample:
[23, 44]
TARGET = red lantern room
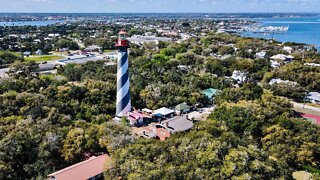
[122, 39]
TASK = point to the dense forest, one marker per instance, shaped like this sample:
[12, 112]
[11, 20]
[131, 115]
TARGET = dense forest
[48, 122]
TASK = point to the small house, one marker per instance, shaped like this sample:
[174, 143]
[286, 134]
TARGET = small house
[137, 118]
[314, 97]
[279, 81]
[26, 53]
[287, 49]
[182, 108]
[282, 57]
[163, 112]
[147, 111]
[210, 93]
[239, 76]
[39, 52]
[261, 55]
[275, 64]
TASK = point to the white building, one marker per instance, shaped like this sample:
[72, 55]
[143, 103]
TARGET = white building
[287, 49]
[312, 64]
[137, 39]
[261, 55]
[52, 35]
[39, 52]
[282, 57]
[239, 76]
[275, 64]
[163, 112]
[279, 81]
[314, 97]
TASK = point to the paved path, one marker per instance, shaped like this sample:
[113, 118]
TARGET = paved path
[298, 105]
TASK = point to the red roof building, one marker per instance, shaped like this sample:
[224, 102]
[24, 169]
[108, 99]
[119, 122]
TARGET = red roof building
[92, 169]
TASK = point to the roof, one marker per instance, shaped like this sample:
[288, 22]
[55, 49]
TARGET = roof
[314, 96]
[281, 57]
[210, 92]
[83, 170]
[26, 52]
[182, 106]
[136, 115]
[312, 64]
[163, 111]
[178, 124]
[278, 81]
[122, 32]
[45, 67]
[147, 110]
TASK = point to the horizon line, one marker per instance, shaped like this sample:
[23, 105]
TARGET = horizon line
[164, 12]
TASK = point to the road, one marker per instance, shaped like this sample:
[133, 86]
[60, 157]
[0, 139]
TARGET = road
[298, 105]
[79, 59]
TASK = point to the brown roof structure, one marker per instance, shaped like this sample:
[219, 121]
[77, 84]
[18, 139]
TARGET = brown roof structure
[87, 169]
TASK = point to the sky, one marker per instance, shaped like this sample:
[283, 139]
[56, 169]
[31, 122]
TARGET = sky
[159, 6]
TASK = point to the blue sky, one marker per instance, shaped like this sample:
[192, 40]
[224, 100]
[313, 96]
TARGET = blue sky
[171, 6]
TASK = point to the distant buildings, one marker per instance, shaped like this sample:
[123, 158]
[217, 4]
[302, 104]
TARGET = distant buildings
[285, 58]
[275, 64]
[279, 59]
[139, 40]
[52, 35]
[288, 49]
[279, 81]
[92, 48]
[261, 55]
[26, 53]
[39, 52]
[312, 64]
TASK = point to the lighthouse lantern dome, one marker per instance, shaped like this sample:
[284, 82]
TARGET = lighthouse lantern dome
[122, 34]
[122, 40]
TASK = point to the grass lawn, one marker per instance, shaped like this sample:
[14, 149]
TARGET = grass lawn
[314, 105]
[306, 111]
[108, 50]
[43, 58]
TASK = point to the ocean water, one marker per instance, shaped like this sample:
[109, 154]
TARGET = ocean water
[29, 23]
[302, 30]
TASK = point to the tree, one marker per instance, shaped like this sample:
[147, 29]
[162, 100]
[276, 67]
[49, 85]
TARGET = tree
[64, 43]
[8, 57]
[23, 69]
[224, 50]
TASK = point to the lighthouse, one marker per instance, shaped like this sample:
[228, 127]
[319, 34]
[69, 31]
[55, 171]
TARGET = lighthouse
[123, 84]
